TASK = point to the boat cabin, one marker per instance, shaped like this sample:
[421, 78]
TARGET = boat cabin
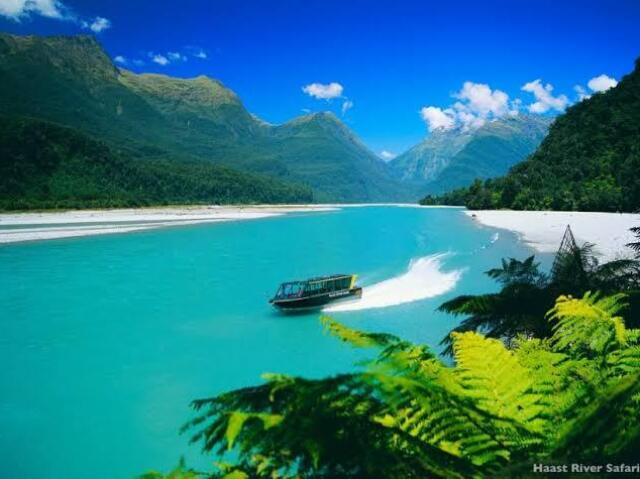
[316, 292]
[313, 286]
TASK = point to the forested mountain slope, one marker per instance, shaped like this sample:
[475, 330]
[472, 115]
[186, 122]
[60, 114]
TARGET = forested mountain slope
[43, 165]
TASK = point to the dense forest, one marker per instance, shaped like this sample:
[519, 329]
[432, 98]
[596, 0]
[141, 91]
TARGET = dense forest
[589, 161]
[44, 165]
[538, 377]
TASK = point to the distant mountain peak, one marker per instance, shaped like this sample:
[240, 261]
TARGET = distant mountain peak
[455, 156]
[66, 53]
[260, 120]
[317, 116]
[200, 91]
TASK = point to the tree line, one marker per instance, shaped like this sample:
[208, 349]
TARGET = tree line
[44, 166]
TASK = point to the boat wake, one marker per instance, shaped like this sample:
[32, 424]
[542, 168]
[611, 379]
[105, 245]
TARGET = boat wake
[423, 279]
[495, 237]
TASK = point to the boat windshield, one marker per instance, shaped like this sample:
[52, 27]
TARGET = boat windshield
[327, 285]
[290, 290]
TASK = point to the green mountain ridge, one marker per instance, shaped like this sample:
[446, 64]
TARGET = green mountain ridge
[589, 161]
[453, 158]
[149, 117]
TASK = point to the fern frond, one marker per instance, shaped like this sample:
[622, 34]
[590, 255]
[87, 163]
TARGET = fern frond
[357, 338]
[491, 374]
[624, 361]
[237, 420]
[333, 427]
[588, 325]
[515, 271]
[608, 429]
[454, 424]
[396, 353]
[180, 472]
[563, 384]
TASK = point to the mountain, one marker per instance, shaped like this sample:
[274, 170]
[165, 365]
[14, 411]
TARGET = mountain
[453, 158]
[72, 81]
[44, 165]
[425, 161]
[335, 160]
[589, 160]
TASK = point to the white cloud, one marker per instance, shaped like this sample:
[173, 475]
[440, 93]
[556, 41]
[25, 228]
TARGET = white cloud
[581, 92]
[159, 59]
[515, 106]
[596, 85]
[165, 59]
[602, 83]
[196, 52]
[469, 120]
[21, 9]
[17, 9]
[477, 103]
[98, 24]
[545, 100]
[482, 101]
[387, 155]
[176, 56]
[437, 118]
[322, 91]
[346, 105]
[200, 54]
[120, 59]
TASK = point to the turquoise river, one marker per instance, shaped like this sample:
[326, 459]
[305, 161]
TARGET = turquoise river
[106, 339]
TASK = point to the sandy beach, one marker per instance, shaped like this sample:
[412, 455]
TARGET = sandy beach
[543, 230]
[18, 227]
[47, 225]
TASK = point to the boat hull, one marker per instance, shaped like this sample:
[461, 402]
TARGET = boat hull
[316, 301]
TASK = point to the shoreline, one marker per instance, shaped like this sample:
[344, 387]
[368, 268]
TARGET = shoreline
[24, 226]
[50, 225]
[543, 230]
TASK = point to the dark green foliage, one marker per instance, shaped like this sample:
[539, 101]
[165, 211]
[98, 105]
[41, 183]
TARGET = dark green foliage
[43, 165]
[517, 272]
[635, 246]
[180, 472]
[519, 307]
[589, 161]
[312, 416]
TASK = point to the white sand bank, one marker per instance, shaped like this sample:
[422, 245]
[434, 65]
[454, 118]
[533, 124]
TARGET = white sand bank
[15, 227]
[543, 230]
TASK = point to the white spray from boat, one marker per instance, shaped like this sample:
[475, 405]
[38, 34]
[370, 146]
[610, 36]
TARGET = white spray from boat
[423, 279]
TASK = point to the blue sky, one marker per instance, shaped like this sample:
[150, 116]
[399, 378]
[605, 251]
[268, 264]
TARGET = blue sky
[398, 67]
